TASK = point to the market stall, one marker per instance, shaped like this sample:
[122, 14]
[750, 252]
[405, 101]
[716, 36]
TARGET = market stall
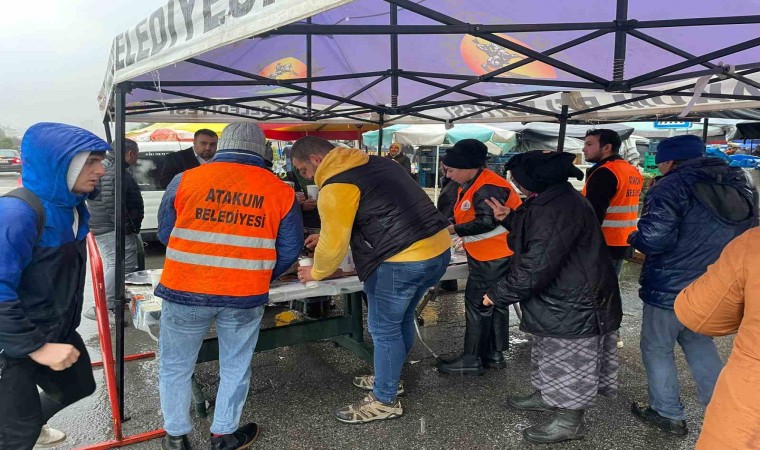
[398, 61]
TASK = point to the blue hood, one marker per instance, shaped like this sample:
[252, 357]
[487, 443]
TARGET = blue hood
[46, 153]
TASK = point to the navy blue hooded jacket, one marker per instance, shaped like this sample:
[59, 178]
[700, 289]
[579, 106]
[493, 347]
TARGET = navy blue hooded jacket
[689, 216]
[42, 283]
[288, 244]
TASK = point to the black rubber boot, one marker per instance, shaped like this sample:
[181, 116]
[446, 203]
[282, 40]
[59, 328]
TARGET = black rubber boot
[462, 365]
[243, 437]
[493, 360]
[564, 425]
[532, 402]
[175, 443]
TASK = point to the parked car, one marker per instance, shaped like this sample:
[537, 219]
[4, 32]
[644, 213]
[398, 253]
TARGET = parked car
[10, 160]
[146, 172]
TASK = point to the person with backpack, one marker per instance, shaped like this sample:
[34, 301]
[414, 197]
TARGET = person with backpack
[43, 258]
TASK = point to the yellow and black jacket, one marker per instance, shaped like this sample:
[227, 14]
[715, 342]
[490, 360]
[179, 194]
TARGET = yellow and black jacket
[372, 203]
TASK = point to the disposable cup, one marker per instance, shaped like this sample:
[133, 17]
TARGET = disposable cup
[155, 277]
[304, 262]
[312, 191]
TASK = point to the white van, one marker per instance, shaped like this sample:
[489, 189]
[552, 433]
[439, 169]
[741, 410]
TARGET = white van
[146, 172]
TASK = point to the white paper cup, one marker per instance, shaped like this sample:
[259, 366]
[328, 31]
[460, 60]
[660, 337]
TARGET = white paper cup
[312, 191]
[304, 262]
[155, 277]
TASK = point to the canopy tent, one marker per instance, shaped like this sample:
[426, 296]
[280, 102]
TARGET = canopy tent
[393, 61]
[745, 130]
[397, 61]
[438, 134]
[275, 131]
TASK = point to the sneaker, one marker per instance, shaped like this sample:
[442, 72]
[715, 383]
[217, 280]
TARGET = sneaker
[368, 410]
[646, 414]
[90, 314]
[367, 382]
[240, 439]
[50, 437]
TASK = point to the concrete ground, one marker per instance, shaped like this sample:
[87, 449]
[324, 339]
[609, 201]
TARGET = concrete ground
[294, 391]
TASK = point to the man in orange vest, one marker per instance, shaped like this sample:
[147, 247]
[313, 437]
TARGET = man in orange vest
[613, 187]
[230, 227]
[485, 241]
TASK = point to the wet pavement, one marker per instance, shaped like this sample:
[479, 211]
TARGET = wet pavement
[294, 391]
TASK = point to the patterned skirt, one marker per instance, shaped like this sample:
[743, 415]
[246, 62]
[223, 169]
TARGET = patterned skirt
[570, 373]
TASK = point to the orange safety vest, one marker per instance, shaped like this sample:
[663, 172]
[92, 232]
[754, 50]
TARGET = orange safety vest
[623, 211]
[493, 244]
[223, 241]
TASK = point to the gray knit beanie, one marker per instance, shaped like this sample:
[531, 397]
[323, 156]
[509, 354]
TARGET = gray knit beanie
[244, 137]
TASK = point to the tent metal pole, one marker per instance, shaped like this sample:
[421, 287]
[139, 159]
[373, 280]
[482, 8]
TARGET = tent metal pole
[107, 126]
[309, 63]
[598, 81]
[562, 128]
[490, 75]
[674, 91]
[618, 63]
[705, 126]
[380, 135]
[369, 30]
[676, 51]
[695, 61]
[352, 95]
[437, 165]
[120, 94]
[698, 22]
[394, 57]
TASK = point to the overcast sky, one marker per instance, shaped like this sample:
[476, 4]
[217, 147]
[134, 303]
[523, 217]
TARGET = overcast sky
[53, 56]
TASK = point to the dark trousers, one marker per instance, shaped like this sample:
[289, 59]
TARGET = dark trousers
[487, 327]
[24, 410]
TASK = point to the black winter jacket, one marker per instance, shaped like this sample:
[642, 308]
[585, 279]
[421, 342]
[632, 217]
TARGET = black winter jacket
[689, 215]
[102, 204]
[561, 272]
[394, 213]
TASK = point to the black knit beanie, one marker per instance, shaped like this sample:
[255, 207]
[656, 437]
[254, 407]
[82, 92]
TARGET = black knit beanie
[537, 170]
[466, 154]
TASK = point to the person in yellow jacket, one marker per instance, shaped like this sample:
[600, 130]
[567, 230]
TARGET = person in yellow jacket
[400, 247]
[485, 241]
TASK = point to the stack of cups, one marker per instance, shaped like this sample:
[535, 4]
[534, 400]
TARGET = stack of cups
[306, 262]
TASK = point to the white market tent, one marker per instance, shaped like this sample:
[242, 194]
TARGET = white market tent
[430, 61]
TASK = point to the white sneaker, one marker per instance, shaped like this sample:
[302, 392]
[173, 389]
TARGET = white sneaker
[50, 437]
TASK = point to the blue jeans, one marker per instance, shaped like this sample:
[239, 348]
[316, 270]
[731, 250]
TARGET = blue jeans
[182, 331]
[660, 330]
[393, 291]
[107, 248]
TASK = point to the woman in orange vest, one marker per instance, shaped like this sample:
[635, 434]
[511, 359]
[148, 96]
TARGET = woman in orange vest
[485, 242]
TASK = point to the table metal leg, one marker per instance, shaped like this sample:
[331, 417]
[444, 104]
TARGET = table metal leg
[354, 341]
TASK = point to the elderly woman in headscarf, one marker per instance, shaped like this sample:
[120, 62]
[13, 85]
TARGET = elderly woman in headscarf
[562, 276]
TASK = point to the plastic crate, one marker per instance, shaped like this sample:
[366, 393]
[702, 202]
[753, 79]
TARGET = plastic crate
[650, 166]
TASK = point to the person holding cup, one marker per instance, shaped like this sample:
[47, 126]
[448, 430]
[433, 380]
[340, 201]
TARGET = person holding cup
[400, 248]
[307, 201]
[230, 227]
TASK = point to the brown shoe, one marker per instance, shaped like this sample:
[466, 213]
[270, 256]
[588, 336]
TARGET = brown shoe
[368, 410]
